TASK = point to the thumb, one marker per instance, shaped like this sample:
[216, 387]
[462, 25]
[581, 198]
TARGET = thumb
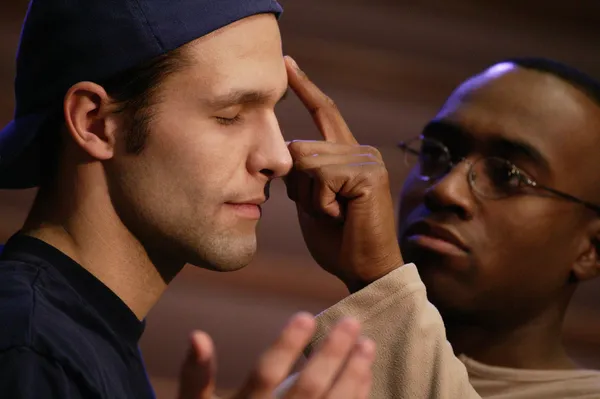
[197, 378]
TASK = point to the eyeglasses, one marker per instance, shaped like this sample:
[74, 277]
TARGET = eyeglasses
[488, 177]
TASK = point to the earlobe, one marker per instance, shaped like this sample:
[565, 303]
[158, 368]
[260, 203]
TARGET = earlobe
[86, 111]
[588, 265]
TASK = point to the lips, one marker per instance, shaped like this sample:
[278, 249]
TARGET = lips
[246, 210]
[428, 232]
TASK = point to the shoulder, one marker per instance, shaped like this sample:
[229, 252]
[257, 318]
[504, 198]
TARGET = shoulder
[31, 307]
[27, 373]
[40, 343]
[17, 301]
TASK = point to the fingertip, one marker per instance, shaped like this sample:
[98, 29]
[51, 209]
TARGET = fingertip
[198, 335]
[350, 324]
[303, 321]
[366, 347]
[202, 346]
[334, 210]
[290, 60]
[297, 73]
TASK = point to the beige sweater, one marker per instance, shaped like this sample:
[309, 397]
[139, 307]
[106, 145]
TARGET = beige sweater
[501, 382]
[415, 361]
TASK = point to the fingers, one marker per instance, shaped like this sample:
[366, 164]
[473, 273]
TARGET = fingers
[330, 122]
[322, 184]
[304, 148]
[320, 161]
[356, 378]
[197, 379]
[340, 369]
[301, 189]
[323, 368]
[320, 168]
[276, 363]
[364, 390]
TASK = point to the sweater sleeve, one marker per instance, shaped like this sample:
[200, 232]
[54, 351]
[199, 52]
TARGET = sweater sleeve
[414, 359]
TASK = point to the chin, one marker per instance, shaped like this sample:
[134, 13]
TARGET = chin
[225, 258]
[448, 280]
[223, 265]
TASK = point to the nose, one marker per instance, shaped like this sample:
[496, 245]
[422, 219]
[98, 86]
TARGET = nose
[452, 193]
[271, 157]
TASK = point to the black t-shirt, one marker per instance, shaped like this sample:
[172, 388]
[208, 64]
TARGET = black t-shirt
[64, 334]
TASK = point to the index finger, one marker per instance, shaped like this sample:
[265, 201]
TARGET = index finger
[276, 363]
[330, 122]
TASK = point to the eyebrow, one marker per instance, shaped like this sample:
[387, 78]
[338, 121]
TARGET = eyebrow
[509, 145]
[242, 97]
[523, 148]
[437, 127]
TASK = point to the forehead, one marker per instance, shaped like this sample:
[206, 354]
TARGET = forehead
[245, 55]
[529, 106]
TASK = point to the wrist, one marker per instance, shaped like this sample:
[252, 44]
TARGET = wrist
[357, 283]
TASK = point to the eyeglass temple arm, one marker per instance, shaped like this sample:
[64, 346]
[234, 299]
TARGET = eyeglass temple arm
[404, 146]
[569, 197]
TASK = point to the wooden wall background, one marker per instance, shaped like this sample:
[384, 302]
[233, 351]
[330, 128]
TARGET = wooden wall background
[389, 64]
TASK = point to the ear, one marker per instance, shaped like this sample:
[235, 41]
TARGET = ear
[587, 266]
[89, 120]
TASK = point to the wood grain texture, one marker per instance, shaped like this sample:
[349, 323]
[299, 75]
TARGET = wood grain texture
[389, 65]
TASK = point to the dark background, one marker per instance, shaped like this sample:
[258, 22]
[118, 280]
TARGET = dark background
[389, 65]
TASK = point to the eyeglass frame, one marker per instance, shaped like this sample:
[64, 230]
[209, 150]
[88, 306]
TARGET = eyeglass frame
[404, 146]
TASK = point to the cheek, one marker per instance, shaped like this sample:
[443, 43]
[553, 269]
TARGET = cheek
[193, 155]
[527, 238]
[172, 184]
[528, 222]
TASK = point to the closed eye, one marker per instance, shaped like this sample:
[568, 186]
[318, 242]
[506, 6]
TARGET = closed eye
[228, 121]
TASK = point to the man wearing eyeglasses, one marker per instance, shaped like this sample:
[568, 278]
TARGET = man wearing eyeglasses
[499, 216]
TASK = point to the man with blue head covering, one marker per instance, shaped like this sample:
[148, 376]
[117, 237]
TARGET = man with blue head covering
[149, 127]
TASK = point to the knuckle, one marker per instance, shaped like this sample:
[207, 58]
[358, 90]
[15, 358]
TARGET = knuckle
[300, 148]
[372, 151]
[383, 176]
[329, 103]
[377, 173]
[326, 106]
[310, 386]
[303, 163]
[323, 174]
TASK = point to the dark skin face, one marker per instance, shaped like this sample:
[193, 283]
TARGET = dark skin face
[524, 251]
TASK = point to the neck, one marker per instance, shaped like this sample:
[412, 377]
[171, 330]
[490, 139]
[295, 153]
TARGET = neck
[534, 344]
[86, 228]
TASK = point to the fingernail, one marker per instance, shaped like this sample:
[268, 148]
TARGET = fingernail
[296, 67]
[366, 347]
[201, 346]
[294, 63]
[303, 321]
